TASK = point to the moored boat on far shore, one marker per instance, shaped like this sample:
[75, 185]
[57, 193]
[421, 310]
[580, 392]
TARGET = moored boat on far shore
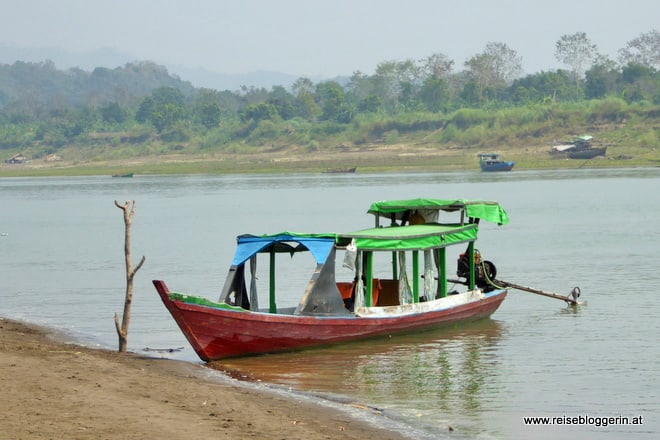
[492, 162]
[579, 148]
[340, 170]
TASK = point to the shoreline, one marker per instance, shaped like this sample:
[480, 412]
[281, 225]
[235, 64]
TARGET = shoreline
[383, 158]
[56, 389]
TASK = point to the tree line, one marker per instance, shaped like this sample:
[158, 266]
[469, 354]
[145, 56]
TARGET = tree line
[141, 103]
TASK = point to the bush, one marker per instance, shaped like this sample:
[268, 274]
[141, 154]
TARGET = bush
[468, 117]
[175, 135]
[265, 130]
[449, 133]
[649, 139]
[610, 109]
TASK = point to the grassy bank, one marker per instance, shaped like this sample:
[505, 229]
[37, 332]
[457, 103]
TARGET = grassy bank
[392, 158]
[409, 142]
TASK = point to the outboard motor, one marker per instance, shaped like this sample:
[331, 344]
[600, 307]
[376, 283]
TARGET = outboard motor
[484, 271]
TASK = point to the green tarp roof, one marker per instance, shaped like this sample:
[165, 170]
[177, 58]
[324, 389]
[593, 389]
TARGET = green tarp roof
[414, 237]
[399, 238]
[489, 211]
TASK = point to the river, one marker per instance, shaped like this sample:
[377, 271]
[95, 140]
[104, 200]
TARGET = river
[61, 265]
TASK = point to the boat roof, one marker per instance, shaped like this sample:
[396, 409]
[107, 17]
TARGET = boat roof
[411, 237]
[290, 242]
[399, 238]
[487, 210]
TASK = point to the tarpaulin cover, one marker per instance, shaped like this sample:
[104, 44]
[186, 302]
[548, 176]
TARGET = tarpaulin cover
[489, 211]
[414, 237]
[318, 244]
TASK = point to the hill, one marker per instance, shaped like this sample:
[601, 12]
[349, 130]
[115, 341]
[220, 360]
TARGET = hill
[141, 117]
[111, 58]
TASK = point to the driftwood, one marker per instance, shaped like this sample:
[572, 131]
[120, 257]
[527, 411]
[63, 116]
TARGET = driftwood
[122, 329]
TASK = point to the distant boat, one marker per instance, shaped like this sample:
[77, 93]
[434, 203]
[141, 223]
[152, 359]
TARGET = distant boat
[578, 143]
[492, 162]
[586, 153]
[339, 170]
[578, 148]
[123, 175]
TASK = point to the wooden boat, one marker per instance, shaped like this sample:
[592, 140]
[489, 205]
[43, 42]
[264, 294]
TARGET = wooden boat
[340, 170]
[364, 305]
[579, 148]
[492, 162]
[123, 175]
[586, 153]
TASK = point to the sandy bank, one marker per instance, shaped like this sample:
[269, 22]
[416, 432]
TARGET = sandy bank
[57, 390]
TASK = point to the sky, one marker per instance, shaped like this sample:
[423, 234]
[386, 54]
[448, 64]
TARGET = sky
[320, 37]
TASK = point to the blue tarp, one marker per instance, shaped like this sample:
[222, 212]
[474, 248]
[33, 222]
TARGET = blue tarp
[319, 245]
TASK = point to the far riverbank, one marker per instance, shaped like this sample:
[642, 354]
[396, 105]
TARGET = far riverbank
[383, 158]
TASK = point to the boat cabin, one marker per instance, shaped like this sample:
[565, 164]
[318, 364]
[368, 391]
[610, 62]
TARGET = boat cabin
[401, 260]
[583, 141]
[489, 157]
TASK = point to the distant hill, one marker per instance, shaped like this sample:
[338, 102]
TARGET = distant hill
[30, 87]
[63, 59]
[111, 58]
[223, 81]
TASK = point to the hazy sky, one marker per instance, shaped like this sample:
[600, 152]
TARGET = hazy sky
[322, 37]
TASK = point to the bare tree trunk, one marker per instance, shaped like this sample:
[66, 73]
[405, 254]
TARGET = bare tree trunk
[122, 330]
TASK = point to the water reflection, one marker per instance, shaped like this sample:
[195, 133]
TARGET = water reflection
[445, 371]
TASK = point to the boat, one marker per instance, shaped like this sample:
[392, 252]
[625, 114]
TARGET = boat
[579, 148]
[123, 175]
[492, 162]
[368, 295]
[586, 153]
[579, 142]
[340, 170]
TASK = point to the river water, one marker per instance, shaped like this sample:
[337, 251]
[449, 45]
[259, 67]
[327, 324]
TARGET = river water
[61, 265]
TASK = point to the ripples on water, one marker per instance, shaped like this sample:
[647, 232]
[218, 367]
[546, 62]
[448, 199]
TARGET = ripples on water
[441, 371]
[61, 264]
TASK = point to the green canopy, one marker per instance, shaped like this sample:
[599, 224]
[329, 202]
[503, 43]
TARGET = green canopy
[413, 237]
[489, 211]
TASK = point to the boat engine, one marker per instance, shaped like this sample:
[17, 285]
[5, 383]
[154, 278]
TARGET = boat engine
[484, 270]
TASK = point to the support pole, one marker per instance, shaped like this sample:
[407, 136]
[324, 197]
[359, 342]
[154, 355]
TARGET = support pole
[395, 265]
[272, 306]
[369, 273]
[470, 256]
[442, 272]
[415, 269]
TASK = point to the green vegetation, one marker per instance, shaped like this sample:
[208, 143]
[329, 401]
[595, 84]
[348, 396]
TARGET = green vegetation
[405, 114]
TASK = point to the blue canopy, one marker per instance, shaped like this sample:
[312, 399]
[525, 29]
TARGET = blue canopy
[319, 245]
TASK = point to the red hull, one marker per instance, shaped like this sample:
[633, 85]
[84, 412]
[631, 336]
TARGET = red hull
[216, 334]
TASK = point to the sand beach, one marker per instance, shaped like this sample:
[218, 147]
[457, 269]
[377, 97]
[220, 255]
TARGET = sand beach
[54, 389]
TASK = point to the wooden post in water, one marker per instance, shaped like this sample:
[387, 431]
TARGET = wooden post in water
[122, 329]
